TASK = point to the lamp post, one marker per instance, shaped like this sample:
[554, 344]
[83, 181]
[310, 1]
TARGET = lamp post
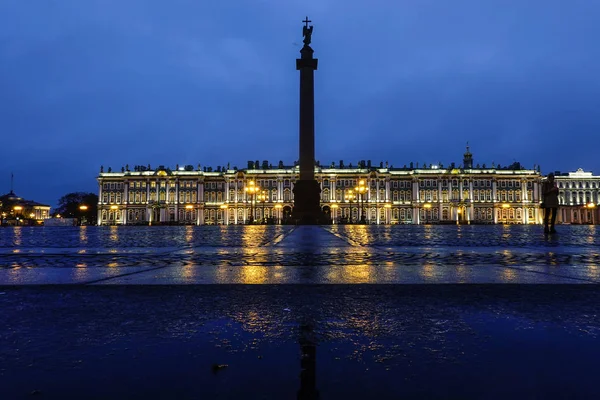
[428, 207]
[262, 197]
[388, 211]
[334, 208]
[251, 190]
[591, 206]
[349, 197]
[82, 209]
[278, 208]
[505, 212]
[224, 208]
[361, 189]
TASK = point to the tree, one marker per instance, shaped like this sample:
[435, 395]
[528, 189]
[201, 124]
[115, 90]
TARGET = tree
[80, 205]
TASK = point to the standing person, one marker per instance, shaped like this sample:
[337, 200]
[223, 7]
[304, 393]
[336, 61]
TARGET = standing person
[549, 202]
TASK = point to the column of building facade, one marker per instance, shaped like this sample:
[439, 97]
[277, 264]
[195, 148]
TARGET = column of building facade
[101, 207]
[494, 200]
[471, 201]
[199, 202]
[416, 206]
[536, 201]
[377, 200]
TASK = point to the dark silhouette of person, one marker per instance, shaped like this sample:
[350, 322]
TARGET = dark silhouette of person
[549, 202]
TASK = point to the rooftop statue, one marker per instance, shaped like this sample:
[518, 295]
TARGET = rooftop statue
[307, 31]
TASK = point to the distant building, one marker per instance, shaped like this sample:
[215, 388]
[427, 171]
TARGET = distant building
[17, 211]
[579, 197]
[381, 194]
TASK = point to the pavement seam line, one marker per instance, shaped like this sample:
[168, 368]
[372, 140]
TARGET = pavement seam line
[122, 275]
[548, 274]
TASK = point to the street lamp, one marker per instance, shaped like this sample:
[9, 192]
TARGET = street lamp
[349, 197]
[262, 197]
[224, 207]
[361, 189]
[388, 210]
[82, 209]
[251, 190]
[505, 213]
[278, 208]
[591, 206]
[334, 208]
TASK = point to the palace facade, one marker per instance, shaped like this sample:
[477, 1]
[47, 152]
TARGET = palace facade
[262, 193]
[579, 197]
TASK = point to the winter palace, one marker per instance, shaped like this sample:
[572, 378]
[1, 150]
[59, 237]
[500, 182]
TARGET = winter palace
[384, 194]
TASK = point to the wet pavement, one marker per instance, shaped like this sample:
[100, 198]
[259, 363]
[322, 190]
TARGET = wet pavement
[274, 312]
[298, 255]
[280, 341]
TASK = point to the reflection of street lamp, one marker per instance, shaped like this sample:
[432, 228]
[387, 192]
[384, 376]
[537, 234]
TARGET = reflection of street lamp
[278, 208]
[349, 197]
[251, 189]
[361, 189]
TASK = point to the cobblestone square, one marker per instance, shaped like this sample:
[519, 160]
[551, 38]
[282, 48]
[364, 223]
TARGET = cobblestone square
[337, 254]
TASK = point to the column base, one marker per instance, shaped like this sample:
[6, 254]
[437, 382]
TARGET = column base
[307, 204]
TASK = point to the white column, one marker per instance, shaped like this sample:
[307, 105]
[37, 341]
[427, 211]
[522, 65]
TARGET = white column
[177, 199]
[388, 194]
[99, 217]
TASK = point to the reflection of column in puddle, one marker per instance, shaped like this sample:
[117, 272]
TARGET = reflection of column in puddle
[308, 364]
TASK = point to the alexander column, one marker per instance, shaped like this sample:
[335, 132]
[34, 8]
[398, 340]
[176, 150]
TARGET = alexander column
[307, 192]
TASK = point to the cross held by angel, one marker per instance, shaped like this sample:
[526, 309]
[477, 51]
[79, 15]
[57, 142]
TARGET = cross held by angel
[307, 31]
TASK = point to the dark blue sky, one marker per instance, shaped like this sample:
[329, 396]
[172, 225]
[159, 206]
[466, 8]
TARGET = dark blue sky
[114, 82]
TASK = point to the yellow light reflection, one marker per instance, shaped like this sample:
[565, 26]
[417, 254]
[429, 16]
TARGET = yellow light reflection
[189, 234]
[18, 235]
[253, 274]
[509, 275]
[187, 271]
[428, 271]
[113, 264]
[114, 234]
[83, 237]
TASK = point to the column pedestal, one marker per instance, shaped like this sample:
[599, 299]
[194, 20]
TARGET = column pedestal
[307, 210]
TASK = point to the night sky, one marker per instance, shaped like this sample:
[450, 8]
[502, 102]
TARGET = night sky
[85, 83]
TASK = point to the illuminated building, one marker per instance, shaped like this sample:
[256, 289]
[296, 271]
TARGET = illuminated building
[381, 194]
[15, 210]
[579, 197]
